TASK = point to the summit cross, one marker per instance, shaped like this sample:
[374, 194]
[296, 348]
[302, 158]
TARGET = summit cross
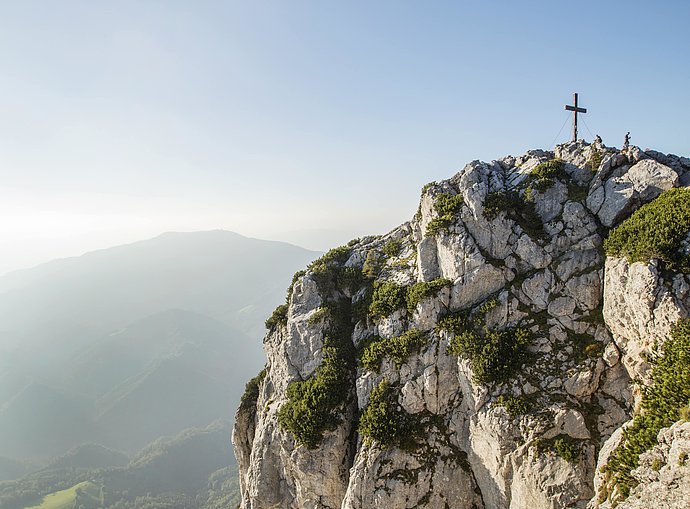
[575, 111]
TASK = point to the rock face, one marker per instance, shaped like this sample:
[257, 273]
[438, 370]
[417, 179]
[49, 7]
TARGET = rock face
[514, 248]
[664, 472]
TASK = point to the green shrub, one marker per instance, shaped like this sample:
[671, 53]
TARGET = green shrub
[499, 201]
[251, 391]
[514, 406]
[372, 265]
[567, 448]
[494, 355]
[428, 186]
[279, 317]
[446, 206]
[465, 321]
[386, 298]
[564, 446]
[486, 307]
[392, 248]
[662, 403]
[544, 175]
[383, 420]
[595, 158]
[422, 290]
[318, 316]
[684, 413]
[338, 255]
[314, 406]
[517, 208]
[577, 192]
[454, 323]
[398, 349]
[655, 230]
[329, 271]
[349, 279]
[585, 347]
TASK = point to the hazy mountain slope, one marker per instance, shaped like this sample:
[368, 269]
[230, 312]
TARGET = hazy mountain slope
[14, 469]
[126, 353]
[130, 343]
[41, 421]
[162, 374]
[172, 395]
[193, 469]
[90, 456]
[63, 305]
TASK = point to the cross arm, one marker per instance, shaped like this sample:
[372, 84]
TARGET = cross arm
[574, 108]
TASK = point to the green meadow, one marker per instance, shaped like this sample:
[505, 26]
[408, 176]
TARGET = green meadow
[88, 492]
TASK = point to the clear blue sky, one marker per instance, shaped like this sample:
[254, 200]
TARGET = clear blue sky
[122, 119]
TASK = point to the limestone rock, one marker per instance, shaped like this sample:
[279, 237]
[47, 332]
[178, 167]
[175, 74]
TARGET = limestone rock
[639, 309]
[613, 199]
[664, 472]
[589, 323]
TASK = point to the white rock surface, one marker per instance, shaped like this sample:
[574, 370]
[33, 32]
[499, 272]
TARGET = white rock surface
[472, 452]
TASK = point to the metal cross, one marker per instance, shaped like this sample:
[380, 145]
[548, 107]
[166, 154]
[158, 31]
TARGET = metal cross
[575, 111]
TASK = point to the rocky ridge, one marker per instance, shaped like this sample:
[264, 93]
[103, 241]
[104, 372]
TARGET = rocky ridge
[481, 355]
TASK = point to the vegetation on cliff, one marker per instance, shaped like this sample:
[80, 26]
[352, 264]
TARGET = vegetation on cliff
[398, 349]
[446, 206]
[663, 403]
[656, 230]
[251, 392]
[494, 355]
[383, 420]
[315, 405]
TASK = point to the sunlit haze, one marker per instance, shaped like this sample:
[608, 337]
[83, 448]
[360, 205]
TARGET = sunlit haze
[122, 120]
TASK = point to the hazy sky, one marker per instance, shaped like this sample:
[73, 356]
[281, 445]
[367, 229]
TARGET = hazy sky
[123, 119]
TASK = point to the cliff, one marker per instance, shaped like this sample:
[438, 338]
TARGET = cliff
[520, 343]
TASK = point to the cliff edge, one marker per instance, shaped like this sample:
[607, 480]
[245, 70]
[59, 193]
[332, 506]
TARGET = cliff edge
[520, 343]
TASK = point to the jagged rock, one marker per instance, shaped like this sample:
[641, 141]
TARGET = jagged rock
[613, 199]
[386, 478]
[569, 422]
[549, 204]
[545, 480]
[664, 472]
[584, 383]
[611, 355]
[491, 444]
[602, 497]
[639, 309]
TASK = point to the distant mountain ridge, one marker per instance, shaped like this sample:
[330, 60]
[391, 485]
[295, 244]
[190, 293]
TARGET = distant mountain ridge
[123, 345]
[106, 289]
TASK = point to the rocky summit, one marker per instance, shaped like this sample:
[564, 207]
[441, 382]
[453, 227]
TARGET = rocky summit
[522, 342]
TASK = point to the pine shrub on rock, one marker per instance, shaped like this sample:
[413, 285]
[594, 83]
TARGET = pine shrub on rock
[446, 206]
[656, 230]
[398, 349]
[384, 421]
[663, 403]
